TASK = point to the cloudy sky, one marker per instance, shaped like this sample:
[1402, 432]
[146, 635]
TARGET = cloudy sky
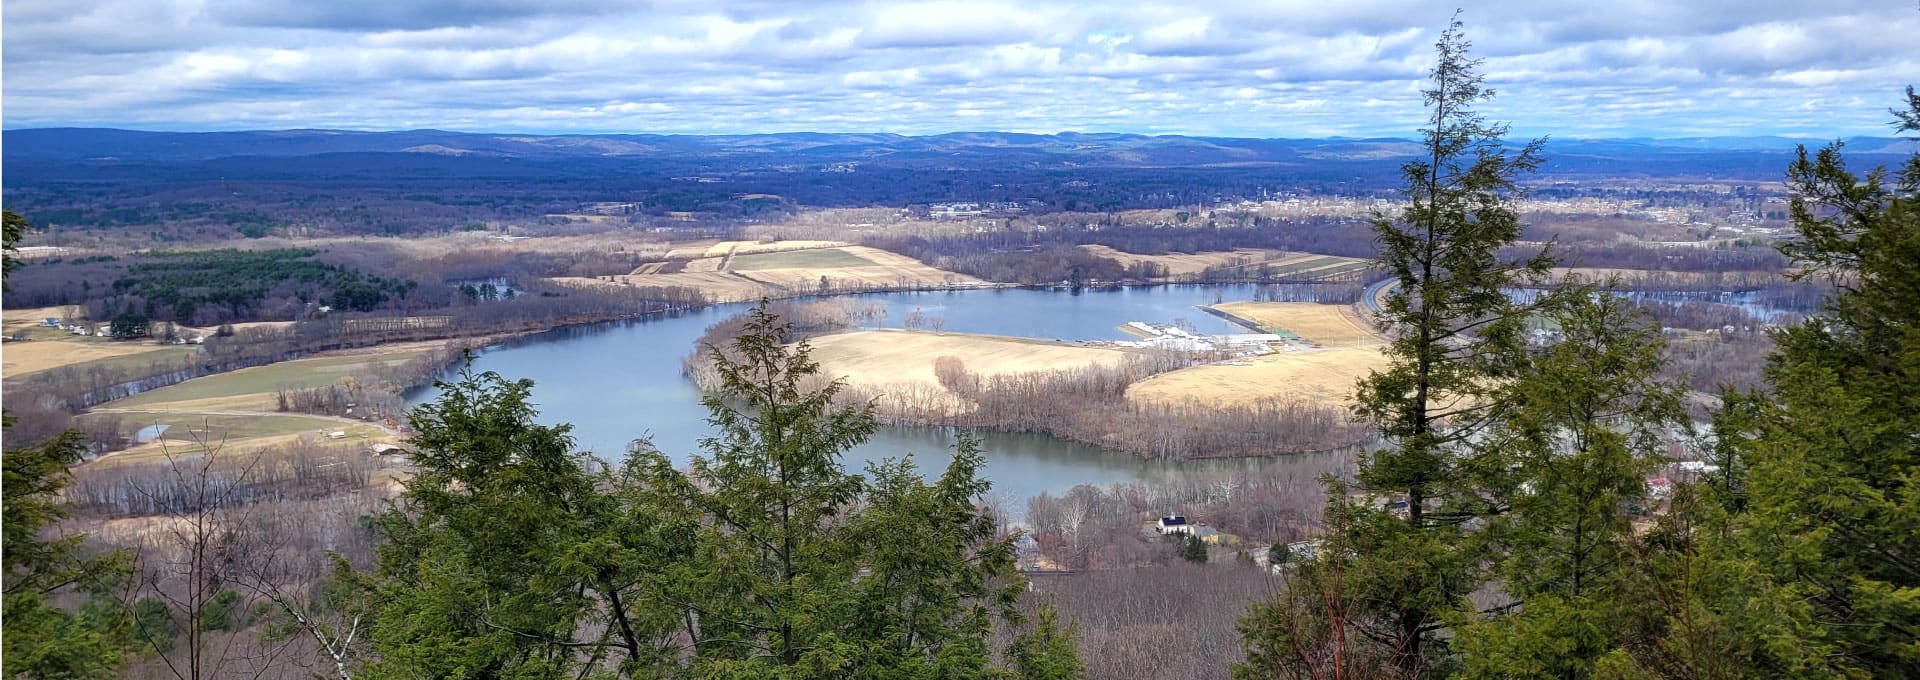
[1268, 68]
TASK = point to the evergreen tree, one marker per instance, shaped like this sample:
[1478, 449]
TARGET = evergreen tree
[1047, 651]
[1582, 431]
[1800, 557]
[935, 576]
[805, 570]
[1456, 340]
[43, 640]
[13, 228]
[507, 553]
[1833, 459]
[128, 326]
[1307, 632]
[1192, 548]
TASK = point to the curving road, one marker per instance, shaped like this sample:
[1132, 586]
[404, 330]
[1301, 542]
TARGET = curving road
[1371, 297]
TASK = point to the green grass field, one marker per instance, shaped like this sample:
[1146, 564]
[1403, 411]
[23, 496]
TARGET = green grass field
[302, 373]
[189, 433]
[1305, 265]
[821, 258]
[191, 427]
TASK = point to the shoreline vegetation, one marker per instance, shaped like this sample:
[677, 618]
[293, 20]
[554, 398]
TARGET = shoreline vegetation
[1085, 396]
[565, 281]
[1174, 423]
[91, 393]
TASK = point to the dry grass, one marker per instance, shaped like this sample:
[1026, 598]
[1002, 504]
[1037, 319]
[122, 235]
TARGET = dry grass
[717, 286]
[781, 268]
[1319, 376]
[692, 250]
[588, 217]
[1325, 325]
[893, 361]
[28, 317]
[191, 434]
[882, 358]
[813, 258]
[886, 270]
[25, 358]
[1180, 264]
[748, 247]
[688, 250]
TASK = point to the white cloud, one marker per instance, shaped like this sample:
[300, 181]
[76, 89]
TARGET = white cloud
[1238, 67]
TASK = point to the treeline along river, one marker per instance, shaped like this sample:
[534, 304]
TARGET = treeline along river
[619, 381]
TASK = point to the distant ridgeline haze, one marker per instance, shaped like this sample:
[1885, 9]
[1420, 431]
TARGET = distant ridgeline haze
[255, 181]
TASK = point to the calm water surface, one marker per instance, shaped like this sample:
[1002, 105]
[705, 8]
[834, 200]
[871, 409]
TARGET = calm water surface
[622, 381]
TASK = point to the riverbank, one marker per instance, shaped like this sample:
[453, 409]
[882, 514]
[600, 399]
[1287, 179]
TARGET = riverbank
[303, 394]
[1322, 325]
[348, 397]
[1076, 391]
[1173, 413]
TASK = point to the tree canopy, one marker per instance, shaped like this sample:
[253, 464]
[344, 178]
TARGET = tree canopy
[512, 554]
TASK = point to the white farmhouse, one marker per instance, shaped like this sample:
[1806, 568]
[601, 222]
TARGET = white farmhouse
[1173, 524]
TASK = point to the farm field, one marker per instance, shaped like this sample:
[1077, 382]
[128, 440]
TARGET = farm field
[881, 269]
[1305, 266]
[188, 433]
[27, 321]
[1309, 266]
[818, 258]
[1325, 325]
[880, 358]
[897, 361]
[717, 286]
[737, 271]
[29, 357]
[27, 317]
[253, 389]
[1319, 376]
[1180, 264]
[238, 410]
[699, 249]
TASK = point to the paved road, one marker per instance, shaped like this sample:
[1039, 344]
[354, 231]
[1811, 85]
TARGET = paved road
[1372, 295]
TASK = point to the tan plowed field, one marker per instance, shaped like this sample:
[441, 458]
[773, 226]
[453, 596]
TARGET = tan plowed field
[878, 358]
[1179, 264]
[734, 271]
[1325, 325]
[1320, 376]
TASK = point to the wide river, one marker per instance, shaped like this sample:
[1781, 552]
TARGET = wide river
[621, 381]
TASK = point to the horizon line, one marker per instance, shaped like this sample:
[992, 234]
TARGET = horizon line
[1059, 133]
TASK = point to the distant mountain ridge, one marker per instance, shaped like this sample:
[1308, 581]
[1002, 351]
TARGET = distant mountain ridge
[1067, 149]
